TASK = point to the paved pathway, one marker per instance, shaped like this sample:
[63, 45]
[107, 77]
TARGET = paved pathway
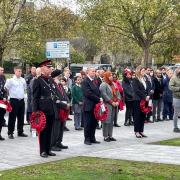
[25, 151]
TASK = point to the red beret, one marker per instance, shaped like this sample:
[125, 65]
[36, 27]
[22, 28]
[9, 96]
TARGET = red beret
[47, 63]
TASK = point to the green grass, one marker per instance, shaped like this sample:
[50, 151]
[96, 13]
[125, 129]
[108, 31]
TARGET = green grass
[169, 142]
[86, 168]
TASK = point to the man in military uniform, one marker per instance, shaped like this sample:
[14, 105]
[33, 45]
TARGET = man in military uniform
[43, 101]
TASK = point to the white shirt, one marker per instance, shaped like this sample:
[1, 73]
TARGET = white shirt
[143, 82]
[90, 78]
[16, 87]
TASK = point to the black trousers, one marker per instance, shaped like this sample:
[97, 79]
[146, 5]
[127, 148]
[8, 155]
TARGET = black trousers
[168, 110]
[45, 135]
[139, 117]
[28, 114]
[18, 108]
[57, 132]
[2, 113]
[116, 115]
[90, 124]
[129, 111]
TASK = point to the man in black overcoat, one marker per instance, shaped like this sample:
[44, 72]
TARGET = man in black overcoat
[91, 98]
[43, 95]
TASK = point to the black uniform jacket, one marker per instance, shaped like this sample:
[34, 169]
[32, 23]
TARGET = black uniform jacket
[42, 95]
[91, 94]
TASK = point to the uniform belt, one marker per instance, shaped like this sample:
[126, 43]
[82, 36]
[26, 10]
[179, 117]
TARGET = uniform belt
[45, 97]
[17, 99]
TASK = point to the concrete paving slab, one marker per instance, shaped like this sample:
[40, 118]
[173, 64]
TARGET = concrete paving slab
[25, 151]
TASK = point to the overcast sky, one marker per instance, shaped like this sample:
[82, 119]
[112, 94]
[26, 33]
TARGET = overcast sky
[66, 3]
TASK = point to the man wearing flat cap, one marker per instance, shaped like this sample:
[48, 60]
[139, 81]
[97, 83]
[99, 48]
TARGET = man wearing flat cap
[43, 100]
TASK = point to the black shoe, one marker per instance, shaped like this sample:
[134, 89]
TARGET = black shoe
[44, 155]
[112, 139]
[5, 125]
[62, 146]
[51, 153]
[116, 125]
[55, 148]
[95, 142]
[131, 123]
[138, 135]
[107, 139]
[66, 129]
[1, 138]
[98, 127]
[27, 123]
[69, 119]
[22, 135]
[10, 136]
[126, 124]
[143, 135]
[159, 119]
[78, 129]
[87, 142]
[176, 130]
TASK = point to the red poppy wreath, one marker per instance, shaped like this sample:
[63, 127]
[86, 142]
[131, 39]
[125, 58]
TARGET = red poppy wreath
[144, 106]
[6, 105]
[38, 121]
[99, 114]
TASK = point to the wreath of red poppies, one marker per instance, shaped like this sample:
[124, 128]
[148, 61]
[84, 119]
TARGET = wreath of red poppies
[38, 121]
[6, 105]
[63, 114]
[99, 115]
[144, 107]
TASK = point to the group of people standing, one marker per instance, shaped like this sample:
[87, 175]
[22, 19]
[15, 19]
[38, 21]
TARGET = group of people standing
[159, 88]
[55, 94]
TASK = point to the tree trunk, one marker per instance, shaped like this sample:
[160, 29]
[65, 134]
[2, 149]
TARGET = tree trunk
[146, 56]
[1, 56]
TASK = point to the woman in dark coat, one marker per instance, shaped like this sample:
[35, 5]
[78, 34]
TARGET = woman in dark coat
[61, 103]
[128, 95]
[140, 93]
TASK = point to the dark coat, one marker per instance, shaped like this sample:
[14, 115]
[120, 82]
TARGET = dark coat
[167, 93]
[3, 93]
[91, 94]
[128, 89]
[139, 91]
[158, 90]
[149, 83]
[99, 81]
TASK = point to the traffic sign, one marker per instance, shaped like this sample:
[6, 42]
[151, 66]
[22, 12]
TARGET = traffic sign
[59, 49]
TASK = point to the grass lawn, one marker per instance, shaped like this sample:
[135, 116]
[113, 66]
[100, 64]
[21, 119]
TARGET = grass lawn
[169, 142]
[86, 168]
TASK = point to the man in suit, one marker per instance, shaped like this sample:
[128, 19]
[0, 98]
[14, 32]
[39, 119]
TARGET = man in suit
[91, 98]
[28, 79]
[100, 76]
[150, 89]
[43, 93]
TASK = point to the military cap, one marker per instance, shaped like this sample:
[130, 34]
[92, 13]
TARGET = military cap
[47, 63]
